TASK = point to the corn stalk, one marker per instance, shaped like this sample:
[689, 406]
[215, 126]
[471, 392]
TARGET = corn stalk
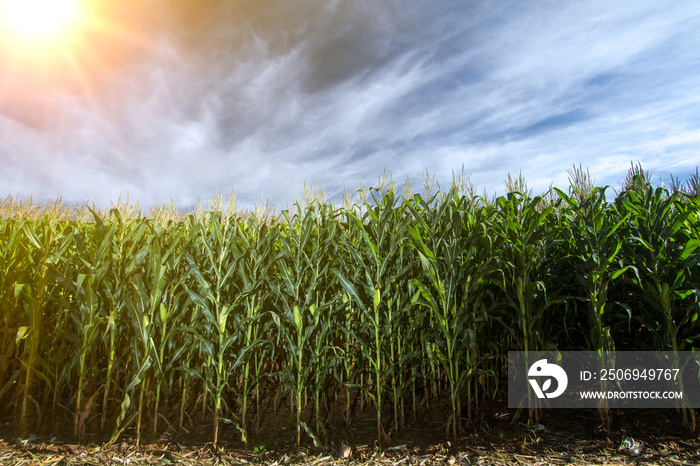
[661, 242]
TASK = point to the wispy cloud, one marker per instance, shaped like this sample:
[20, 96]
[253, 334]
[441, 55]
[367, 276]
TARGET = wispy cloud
[263, 98]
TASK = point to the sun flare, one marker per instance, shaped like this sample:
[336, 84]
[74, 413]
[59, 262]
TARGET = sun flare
[39, 21]
[50, 49]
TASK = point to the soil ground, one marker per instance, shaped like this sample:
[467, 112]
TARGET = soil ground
[561, 437]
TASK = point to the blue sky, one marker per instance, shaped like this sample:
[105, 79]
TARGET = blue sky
[261, 96]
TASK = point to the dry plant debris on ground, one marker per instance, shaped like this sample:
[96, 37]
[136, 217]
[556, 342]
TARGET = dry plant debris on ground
[569, 437]
[672, 453]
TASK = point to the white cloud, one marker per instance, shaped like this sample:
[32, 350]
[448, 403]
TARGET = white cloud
[336, 95]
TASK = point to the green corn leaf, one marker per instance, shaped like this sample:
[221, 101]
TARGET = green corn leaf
[348, 287]
[689, 248]
[619, 272]
[22, 333]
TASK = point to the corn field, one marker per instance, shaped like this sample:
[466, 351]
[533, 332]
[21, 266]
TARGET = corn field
[137, 327]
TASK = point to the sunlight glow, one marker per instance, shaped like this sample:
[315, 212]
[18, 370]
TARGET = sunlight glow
[39, 21]
[65, 45]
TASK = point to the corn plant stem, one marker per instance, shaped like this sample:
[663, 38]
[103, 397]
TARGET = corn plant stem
[31, 350]
[142, 391]
[257, 404]
[78, 400]
[395, 392]
[377, 363]
[110, 365]
[299, 382]
[244, 399]
[159, 380]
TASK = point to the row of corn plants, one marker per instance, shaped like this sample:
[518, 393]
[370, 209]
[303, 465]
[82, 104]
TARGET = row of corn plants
[130, 327]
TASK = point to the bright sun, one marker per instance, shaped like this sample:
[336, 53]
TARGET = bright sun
[66, 45]
[39, 21]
